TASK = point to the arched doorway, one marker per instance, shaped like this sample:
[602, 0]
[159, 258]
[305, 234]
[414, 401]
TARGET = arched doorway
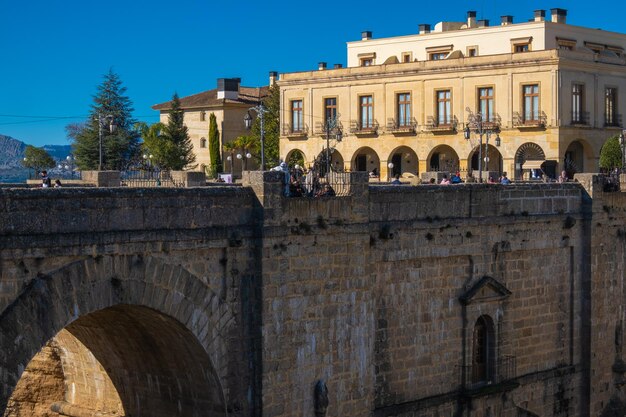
[492, 159]
[405, 162]
[114, 345]
[483, 350]
[530, 160]
[443, 158]
[576, 158]
[366, 159]
[295, 157]
[336, 161]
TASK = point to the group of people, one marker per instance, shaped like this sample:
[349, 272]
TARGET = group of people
[46, 182]
[299, 184]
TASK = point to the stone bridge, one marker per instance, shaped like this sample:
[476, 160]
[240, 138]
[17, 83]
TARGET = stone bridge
[237, 301]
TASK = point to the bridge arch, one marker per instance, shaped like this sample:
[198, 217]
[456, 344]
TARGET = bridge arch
[157, 330]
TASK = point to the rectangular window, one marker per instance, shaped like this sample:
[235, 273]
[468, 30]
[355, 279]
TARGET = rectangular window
[531, 103]
[485, 103]
[521, 47]
[330, 109]
[577, 103]
[406, 57]
[404, 109]
[366, 62]
[366, 112]
[472, 51]
[444, 115]
[610, 106]
[296, 116]
[202, 116]
[436, 56]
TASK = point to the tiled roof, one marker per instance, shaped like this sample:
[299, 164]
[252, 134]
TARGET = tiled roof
[247, 95]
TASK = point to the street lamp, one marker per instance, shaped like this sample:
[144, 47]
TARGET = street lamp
[101, 124]
[332, 125]
[260, 110]
[244, 162]
[229, 158]
[148, 159]
[476, 124]
[389, 170]
[70, 165]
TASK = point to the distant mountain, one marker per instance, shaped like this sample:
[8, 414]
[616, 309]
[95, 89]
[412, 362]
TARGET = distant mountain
[12, 155]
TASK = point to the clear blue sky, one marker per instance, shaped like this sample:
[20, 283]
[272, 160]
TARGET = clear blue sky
[54, 53]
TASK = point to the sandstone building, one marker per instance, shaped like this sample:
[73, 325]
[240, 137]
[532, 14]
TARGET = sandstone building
[229, 102]
[551, 92]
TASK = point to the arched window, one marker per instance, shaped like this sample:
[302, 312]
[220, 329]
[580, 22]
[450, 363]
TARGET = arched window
[483, 350]
[203, 143]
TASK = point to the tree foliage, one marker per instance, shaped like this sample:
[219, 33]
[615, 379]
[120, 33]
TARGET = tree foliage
[271, 127]
[178, 150]
[154, 143]
[120, 146]
[37, 158]
[214, 146]
[242, 145]
[611, 154]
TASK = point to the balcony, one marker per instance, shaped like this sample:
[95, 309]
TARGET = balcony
[404, 127]
[320, 128]
[537, 122]
[357, 129]
[612, 120]
[580, 118]
[295, 132]
[437, 126]
[477, 380]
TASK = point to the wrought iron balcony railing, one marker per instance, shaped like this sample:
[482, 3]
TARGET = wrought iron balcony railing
[477, 376]
[612, 120]
[580, 118]
[292, 131]
[534, 121]
[401, 126]
[320, 128]
[441, 125]
[356, 128]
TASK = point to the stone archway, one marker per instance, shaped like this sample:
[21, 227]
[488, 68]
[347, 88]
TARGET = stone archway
[530, 155]
[156, 329]
[405, 162]
[295, 157]
[492, 159]
[366, 159]
[578, 157]
[443, 158]
[336, 160]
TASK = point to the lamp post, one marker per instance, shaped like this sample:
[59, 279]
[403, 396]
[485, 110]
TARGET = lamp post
[101, 120]
[332, 125]
[244, 162]
[229, 158]
[25, 162]
[622, 144]
[70, 165]
[389, 171]
[260, 110]
[148, 160]
[476, 124]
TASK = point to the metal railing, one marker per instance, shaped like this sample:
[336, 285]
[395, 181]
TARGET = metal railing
[317, 182]
[520, 121]
[295, 131]
[148, 178]
[504, 369]
[580, 118]
[359, 129]
[434, 124]
[401, 126]
[613, 120]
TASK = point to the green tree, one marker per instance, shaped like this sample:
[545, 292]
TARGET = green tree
[271, 126]
[37, 158]
[178, 153]
[154, 143]
[611, 154]
[120, 146]
[241, 145]
[214, 147]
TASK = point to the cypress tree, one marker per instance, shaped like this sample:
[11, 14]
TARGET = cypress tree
[214, 146]
[179, 154]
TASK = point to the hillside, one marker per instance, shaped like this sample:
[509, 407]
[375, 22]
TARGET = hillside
[12, 154]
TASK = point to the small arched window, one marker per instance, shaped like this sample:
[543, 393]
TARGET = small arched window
[483, 350]
[203, 143]
[202, 116]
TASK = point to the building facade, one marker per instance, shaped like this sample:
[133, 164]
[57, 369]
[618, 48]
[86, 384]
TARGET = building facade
[229, 102]
[549, 93]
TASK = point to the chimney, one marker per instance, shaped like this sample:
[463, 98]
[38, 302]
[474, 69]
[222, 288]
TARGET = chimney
[366, 35]
[540, 15]
[471, 19]
[558, 15]
[424, 28]
[273, 77]
[483, 23]
[337, 66]
[228, 88]
[506, 20]
[321, 66]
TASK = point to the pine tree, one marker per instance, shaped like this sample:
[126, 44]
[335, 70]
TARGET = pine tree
[214, 146]
[119, 147]
[180, 155]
